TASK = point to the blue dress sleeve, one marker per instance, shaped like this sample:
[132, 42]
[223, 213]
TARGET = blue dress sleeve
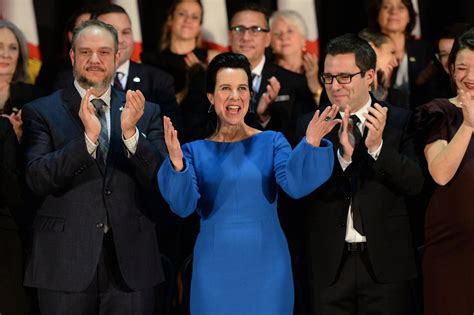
[179, 189]
[301, 171]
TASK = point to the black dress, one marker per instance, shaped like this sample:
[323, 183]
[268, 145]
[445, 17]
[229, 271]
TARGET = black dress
[448, 263]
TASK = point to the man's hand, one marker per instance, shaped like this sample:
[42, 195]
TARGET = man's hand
[89, 119]
[346, 138]
[132, 112]
[273, 88]
[375, 122]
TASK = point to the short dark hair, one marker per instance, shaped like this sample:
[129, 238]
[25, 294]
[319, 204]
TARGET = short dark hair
[106, 8]
[464, 41]
[226, 60]
[94, 23]
[251, 6]
[374, 10]
[365, 57]
[375, 38]
[21, 70]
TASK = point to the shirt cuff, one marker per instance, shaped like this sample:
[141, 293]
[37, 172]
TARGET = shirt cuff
[344, 164]
[376, 153]
[91, 146]
[132, 142]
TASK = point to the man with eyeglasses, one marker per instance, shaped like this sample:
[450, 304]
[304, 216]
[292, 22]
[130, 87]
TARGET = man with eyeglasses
[359, 244]
[280, 96]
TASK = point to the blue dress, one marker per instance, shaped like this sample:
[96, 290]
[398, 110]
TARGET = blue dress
[241, 260]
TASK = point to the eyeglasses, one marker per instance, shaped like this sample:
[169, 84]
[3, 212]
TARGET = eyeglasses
[341, 78]
[253, 30]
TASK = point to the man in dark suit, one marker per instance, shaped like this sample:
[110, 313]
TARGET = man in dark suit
[92, 154]
[359, 244]
[280, 96]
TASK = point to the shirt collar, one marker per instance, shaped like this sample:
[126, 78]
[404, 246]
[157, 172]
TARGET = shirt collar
[259, 68]
[124, 68]
[363, 110]
[105, 96]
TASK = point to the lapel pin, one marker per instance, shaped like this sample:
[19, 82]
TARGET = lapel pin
[121, 108]
[136, 79]
[144, 135]
[412, 59]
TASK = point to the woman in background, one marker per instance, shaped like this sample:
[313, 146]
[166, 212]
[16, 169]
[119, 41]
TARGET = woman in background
[289, 32]
[449, 225]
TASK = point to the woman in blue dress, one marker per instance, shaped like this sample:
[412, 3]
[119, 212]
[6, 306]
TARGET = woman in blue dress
[241, 262]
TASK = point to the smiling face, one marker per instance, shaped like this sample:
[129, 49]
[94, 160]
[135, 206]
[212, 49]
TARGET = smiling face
[250, 45]
[122, 24]
[354, 94]
[231, 96]
[463, 73]
[393, 16]
[444, 48]
[185, 22]
[287, 39]
[94, 58]
[9, 52]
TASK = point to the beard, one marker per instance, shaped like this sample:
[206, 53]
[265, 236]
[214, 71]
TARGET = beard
[86, 83]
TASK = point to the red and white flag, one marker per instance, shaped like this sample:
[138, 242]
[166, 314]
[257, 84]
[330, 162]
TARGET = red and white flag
[215, 25]
[307, 10]
[417, 30]
[131, 7]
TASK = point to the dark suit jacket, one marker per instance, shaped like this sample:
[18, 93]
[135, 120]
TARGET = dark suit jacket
[78, 191]
[294, 99]
[156, 85]
[382, 186]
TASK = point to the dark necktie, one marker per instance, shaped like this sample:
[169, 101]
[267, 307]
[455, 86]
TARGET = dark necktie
[253, 101]
[356, 216]
[117, 83]
[99, 106]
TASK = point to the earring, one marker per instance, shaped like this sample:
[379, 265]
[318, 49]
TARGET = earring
[210, 109]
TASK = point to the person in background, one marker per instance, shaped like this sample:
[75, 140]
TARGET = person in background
[386, 62]
[289, 32]
[359, 244]
[448, 126]
[241, 262]
[397, 19]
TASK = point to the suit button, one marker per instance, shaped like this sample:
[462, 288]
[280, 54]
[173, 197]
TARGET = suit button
[99, 225]
[108, 193]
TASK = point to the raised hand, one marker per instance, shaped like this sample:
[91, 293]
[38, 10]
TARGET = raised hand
[346, 138]
[375, 122]
[17, 123]
[190, 59]
[89, 119]
[467, 103]
[321, 124]
[273, 88]
[311, 69]
[132, 112]
[173, 145]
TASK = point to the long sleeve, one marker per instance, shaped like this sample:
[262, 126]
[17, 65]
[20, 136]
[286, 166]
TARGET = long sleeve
[301, 171]
[179, 189]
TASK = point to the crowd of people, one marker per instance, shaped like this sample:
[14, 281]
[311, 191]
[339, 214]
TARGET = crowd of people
[263, 180]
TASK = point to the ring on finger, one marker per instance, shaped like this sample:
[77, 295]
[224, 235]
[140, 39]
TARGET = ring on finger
[327, 118]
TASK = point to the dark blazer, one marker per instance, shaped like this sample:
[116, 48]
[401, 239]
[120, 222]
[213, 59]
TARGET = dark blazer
[382, 186]
[78, 191]
[294, 99]
[156, 85]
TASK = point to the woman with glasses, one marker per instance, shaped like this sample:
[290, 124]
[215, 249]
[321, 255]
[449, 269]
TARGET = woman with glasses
[241, 262]
[289, 32]
[448, 260]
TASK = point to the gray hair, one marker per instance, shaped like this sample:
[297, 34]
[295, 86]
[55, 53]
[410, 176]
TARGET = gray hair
[21, 70]
[94, 23]
[292, 17]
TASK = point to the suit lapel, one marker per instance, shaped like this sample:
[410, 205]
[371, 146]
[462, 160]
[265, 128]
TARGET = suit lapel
[72, 102]
[117, 102]
[134, 78]
[267, 72]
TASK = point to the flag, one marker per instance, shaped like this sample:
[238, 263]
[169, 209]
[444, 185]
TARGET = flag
[417, 30]
[131, 7]
[215, 25]
[307, 10]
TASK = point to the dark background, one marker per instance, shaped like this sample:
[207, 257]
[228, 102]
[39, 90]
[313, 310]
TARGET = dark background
[335, 17]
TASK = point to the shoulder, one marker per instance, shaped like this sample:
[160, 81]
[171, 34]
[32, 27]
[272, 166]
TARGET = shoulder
[45, 103]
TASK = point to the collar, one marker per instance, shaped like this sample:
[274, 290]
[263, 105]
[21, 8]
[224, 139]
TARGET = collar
[105, 96]
[259, 68]
[124, 68]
